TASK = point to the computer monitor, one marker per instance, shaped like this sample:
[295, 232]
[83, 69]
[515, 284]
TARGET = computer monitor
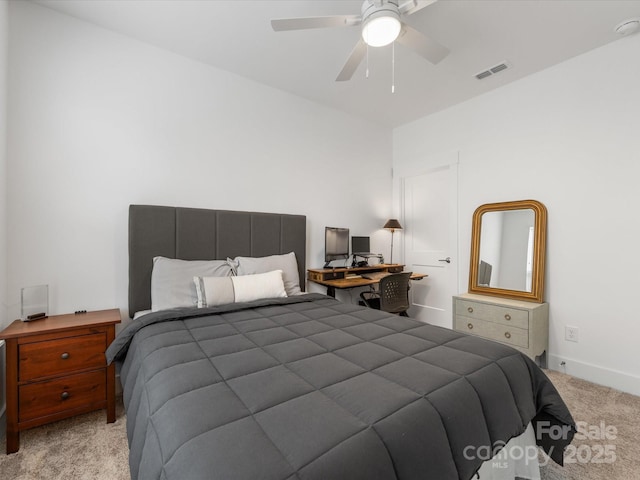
[360, 245]
[336, 244]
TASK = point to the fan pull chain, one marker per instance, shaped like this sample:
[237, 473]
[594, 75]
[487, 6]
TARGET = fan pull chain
[393, 67]
[367, 69]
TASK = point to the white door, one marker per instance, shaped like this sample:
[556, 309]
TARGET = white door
[429, 204]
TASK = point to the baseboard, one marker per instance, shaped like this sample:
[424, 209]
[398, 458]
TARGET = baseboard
[622, 381]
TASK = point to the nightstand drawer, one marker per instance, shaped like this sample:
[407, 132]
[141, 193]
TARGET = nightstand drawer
[493, 313]
[52, 357]
[493, 331]
[66, 393]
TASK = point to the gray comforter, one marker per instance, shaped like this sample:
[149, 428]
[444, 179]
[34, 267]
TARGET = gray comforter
[310, 388]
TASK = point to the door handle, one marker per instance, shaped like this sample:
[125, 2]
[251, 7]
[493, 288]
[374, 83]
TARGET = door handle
[448, 260]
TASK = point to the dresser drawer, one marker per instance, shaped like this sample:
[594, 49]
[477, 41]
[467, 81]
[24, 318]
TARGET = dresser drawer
[493, 313]
[53, 357]
[510, 335]
[66, 393]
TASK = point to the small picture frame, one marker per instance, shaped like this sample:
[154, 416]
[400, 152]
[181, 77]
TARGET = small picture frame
[34, 302]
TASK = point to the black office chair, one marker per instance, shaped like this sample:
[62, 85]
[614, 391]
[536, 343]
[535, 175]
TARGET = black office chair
[392, 295]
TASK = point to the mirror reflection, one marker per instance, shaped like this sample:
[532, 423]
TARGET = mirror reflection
[508, 250]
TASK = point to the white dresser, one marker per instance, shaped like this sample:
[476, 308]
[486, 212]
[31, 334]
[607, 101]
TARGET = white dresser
[522, 325]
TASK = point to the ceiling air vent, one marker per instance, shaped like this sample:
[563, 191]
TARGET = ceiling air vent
[491, 71]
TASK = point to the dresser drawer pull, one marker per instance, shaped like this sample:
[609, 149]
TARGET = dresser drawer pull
[470, 326]
[507, 334]
[64, 395]
[507, 316]
[469, 309]
[65, 356]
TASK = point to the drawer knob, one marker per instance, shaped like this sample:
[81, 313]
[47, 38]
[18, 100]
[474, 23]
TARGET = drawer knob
[507, 316]
[470, 309]
[507, 334]
[64, 395]
[470, 326]
[64, 356]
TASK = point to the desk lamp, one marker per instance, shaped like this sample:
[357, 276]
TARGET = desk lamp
[392, 224]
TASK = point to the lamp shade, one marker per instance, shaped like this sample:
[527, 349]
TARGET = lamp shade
[393, 224]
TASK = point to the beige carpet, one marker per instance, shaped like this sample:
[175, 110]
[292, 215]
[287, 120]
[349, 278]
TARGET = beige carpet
[86, 447]
[591, 457]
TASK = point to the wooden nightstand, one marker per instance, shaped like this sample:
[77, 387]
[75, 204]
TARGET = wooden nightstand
[56, 368]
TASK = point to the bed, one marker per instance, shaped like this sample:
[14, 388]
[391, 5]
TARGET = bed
[303, 386]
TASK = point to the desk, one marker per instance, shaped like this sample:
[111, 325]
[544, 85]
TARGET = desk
[342, 278]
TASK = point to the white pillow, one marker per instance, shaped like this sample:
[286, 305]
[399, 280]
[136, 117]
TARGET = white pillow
[214, 291]
[287, 263]
[262, 285]
[139, 314]
[172, 280]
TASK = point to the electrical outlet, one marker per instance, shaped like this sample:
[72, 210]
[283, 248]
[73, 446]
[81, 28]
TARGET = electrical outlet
[571, 334]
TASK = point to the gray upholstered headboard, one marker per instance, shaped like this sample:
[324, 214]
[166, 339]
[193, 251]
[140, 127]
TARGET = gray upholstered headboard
[199, 234]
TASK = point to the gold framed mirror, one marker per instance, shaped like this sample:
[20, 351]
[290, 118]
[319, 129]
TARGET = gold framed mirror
[508, 242]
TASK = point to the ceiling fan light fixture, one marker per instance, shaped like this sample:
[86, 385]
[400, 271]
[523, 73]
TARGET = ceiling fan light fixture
[381, 28]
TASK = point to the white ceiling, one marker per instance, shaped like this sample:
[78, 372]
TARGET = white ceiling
[236, 36]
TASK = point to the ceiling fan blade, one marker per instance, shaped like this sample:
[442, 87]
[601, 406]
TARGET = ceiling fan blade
[413, 6]
[357, 54]
[283, 24]
[421, 44]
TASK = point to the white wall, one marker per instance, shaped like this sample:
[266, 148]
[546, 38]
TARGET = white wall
[100, 121]
[4, 41]
[568, 137]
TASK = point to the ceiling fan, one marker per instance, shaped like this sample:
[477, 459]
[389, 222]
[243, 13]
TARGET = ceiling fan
[382, 24]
